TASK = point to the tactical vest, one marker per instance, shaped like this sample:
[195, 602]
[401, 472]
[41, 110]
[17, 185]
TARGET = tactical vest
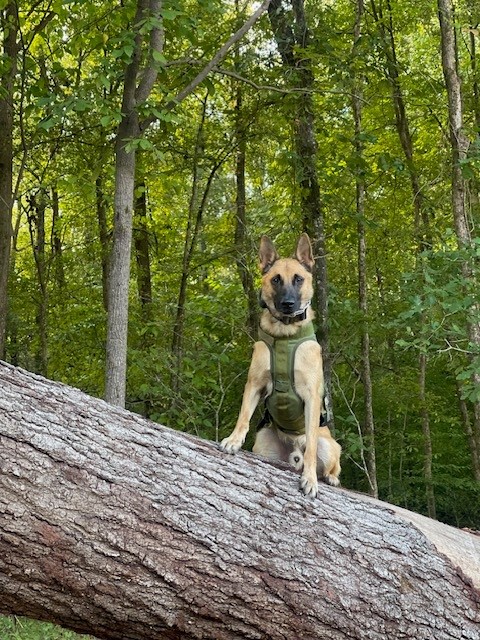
[286, 408]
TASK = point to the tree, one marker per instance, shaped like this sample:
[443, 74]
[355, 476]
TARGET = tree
[459, 148]
[138, 84]
[115, 526]
[293, 37]
[9, 24]
[421, 219]
[241, 227]
[14, 41]
[360, 188]
[130, 130]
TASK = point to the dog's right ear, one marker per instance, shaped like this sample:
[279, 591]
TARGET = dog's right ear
[267, 254]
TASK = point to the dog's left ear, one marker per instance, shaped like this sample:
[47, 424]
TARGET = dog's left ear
[267, 254]
[304, 253]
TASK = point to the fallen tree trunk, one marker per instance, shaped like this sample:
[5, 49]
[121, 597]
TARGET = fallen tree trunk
[121, 528]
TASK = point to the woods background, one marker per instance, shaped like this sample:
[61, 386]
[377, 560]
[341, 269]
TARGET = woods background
[233, 159]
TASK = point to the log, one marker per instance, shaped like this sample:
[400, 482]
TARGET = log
[124, 529]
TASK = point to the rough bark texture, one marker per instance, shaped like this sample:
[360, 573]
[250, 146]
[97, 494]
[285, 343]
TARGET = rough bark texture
[115, 526]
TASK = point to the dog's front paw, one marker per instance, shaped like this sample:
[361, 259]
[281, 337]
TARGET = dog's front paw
[309, 485]
[231, 444]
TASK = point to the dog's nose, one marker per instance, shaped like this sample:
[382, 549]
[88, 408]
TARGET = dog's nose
[288, 305]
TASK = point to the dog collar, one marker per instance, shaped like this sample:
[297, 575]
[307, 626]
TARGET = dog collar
[299, 316]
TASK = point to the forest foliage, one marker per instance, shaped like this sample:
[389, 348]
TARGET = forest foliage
[70, 64]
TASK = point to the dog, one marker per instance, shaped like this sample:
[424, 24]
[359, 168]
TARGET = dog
[293, 398]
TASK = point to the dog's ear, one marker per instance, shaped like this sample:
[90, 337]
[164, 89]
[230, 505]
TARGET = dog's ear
[304, 253]
[267, 254]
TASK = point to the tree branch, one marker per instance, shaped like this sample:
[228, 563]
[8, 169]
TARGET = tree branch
[217, 58]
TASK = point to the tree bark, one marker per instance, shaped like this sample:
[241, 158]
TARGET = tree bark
[469, 432]
[427, 438]
[124, 529]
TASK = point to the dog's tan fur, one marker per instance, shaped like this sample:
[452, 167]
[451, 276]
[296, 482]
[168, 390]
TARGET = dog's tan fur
[316, 452]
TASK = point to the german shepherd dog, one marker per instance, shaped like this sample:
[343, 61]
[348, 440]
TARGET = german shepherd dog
[286, 295]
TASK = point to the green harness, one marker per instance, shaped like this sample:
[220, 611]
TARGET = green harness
[286, 408]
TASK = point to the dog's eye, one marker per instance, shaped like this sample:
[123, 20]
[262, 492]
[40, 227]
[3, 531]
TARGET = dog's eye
[298, 279]
[276, 279]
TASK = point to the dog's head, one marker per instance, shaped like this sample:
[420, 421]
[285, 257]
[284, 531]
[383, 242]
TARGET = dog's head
[286, 282]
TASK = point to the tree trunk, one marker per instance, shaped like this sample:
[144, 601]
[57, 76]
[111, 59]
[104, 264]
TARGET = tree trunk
[368, 430]
[458, 139]
[142, 249]
[101, 206]
[119, 274]
[427, 438]
[469, 432]
[124, 529]
[9, 26]
[36, 223]
[56, 240]
[196, 212]
[12, 333]
[292, 36]
[242, 248]
[134, 94]
[385, 26]
[193, 226]
[459, 146]
[421, 225]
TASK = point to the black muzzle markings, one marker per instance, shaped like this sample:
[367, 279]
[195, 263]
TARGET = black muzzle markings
[287, 296]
